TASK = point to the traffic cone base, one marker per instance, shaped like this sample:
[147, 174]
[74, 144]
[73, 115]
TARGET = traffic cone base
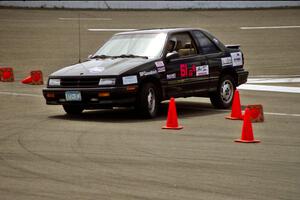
[247, 141]
[174, 128]
[234, 118]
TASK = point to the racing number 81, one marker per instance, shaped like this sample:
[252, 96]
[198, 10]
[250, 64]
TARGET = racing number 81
[185, 72]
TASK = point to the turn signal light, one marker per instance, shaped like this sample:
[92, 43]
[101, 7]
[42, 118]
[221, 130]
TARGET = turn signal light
[103, 94]
[50, 95]
[131, 88]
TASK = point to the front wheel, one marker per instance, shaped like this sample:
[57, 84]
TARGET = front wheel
[148, 100]
[73, 110]
[223, 97]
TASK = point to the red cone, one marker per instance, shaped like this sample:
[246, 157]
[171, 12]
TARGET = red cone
[256, 113]
[172, 122]
[247, 132]
[6, 74]
[27, 80]
[236, 112]
[37, 77]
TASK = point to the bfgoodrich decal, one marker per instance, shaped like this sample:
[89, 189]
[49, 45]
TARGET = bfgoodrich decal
[171, 76]
[144, 73]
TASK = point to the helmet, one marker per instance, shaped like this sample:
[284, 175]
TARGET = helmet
[173, 42]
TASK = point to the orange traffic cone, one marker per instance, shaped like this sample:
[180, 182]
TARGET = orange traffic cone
[37, 77]
[6, 74]
[27, 80]
[256, 113]
[172, 122]
[247, 132]
[236, 112]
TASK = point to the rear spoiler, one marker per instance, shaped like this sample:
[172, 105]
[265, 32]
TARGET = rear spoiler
[233, 46]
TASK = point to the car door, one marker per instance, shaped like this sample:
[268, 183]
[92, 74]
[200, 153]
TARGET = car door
[186, 75]
[213, 53]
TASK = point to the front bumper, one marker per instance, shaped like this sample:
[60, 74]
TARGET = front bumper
[118, 96]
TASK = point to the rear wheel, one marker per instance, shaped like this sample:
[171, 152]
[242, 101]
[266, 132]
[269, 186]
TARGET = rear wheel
[73, 110]
[223, 97]
[148, 100]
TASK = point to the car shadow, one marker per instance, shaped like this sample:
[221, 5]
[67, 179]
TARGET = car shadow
[185, 109]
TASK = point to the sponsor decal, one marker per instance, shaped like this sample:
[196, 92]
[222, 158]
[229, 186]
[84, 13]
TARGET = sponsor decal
[160, 66]
[129, 80]
[183, 70]
[237, 59]
[202, 70]
[144, 73]
[187, 72]
[226, 61]
[171, 76]
[161, 69]
[96, 69]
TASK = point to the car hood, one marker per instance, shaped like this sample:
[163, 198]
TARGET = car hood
[101, 67]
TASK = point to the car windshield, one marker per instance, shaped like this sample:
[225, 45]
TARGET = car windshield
[144, 45]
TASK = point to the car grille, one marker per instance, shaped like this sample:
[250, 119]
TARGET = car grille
[80, 82]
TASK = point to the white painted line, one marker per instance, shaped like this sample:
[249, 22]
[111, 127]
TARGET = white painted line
[20, 94]
[274, 76]
[269, 88]
[110, 29]
[282, 114]
[84, 18]
[273, 80]
[228, 110]
[267, 27]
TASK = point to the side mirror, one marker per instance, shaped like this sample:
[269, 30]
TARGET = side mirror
[172, 55]
[90, 56]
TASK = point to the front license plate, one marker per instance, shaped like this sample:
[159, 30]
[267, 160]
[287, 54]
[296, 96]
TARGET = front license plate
[73, 96]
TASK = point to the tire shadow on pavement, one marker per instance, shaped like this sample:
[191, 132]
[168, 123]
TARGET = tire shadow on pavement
[130, 115]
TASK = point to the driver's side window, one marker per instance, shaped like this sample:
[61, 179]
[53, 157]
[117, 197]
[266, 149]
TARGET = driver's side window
[183, 44]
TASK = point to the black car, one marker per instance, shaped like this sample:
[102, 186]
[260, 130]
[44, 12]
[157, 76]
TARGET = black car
[144, 67]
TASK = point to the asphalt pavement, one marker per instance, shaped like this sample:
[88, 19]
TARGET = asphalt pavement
[113, 154]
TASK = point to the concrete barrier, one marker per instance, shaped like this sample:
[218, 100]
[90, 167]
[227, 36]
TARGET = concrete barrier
[151, 4]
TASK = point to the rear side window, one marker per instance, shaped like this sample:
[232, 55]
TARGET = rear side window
[206, 45]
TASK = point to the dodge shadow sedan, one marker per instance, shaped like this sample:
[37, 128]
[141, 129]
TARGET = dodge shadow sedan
[144, 67]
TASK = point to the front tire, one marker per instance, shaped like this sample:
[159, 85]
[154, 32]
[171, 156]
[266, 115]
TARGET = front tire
[148, 100]
[223, 97]
[73, 110]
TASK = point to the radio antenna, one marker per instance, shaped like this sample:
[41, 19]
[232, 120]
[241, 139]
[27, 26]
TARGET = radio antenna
[79, 39]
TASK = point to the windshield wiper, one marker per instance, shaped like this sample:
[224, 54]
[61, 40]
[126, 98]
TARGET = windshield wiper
[101, 56]
[130, 56]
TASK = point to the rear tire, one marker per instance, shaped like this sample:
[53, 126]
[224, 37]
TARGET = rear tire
[223, 97]
[73, 110]
[148, 100]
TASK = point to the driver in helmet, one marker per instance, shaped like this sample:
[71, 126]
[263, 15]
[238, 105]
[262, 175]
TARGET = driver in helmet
[171, 45]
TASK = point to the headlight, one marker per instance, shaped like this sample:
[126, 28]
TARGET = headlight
[107, 81]
[54, 82]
